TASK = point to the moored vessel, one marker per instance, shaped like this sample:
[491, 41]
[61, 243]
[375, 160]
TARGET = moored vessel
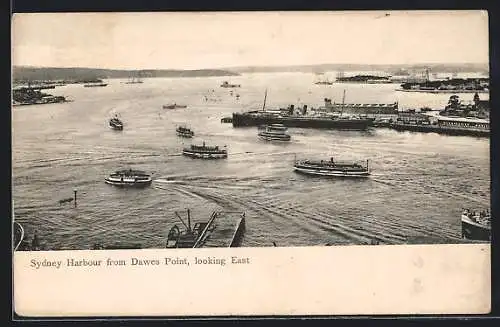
[476, 225]
[299, 117]
[205, 152]
[183, 131]
[274, 132]
[129, 178]
[332, 168]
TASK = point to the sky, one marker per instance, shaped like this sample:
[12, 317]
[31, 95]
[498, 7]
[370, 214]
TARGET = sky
[218, 40]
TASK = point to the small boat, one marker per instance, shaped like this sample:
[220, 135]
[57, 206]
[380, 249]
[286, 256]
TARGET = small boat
[205, 152]
[226, 84]
[226, 120]
[129, 177]
[476, 225]
[95, 85]
[173, 106]
[116, 124]
[274, 132]
[332, 168]
[184, 131]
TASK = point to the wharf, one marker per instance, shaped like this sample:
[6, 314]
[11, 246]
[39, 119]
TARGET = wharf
[455, 131]
[223, 229]
[228, 228]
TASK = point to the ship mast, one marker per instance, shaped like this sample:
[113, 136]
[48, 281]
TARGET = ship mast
[265, 98]
[343, 101]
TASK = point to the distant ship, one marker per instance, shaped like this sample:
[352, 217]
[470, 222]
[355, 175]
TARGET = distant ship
[184, 131]
[332, 168]
[274, 132]
[323, 82]
[173, 106]
[95, 85]
[129, 177]
[116, 124]
[205, 152]
[134, 80]
[476, 225]
[226, 84]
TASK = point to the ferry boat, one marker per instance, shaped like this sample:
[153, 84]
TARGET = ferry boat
[274, 132]
[174, 106]
[184, 131]
[222, 229]
[116, 124]
[226, 84]
[332, 168]
[205, 152]
[129, 177]
[476, 225]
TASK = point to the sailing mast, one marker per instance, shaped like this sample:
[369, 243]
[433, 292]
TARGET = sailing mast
[265, 98]
[343, 101]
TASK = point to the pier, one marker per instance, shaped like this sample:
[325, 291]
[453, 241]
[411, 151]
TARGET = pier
[223, 229]
[229, 228]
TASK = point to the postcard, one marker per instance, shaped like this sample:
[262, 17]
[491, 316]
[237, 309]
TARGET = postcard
[222, 164]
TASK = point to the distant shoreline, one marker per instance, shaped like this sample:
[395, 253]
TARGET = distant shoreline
[74, 73]
[77, 74]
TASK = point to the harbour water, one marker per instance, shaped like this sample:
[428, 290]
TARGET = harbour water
[419, 183]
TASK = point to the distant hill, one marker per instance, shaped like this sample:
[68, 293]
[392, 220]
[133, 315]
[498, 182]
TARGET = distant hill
[51, 73]
[391, 69]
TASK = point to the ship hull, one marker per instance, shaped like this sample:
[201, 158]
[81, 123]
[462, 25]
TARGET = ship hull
[331, 173]
[473, 231]
[128, 182]
[116, 128]
[241, 120]
[269, 137]
[440, 130]
[204, 155]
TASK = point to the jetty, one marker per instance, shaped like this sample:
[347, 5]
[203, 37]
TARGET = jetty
[223, 229]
